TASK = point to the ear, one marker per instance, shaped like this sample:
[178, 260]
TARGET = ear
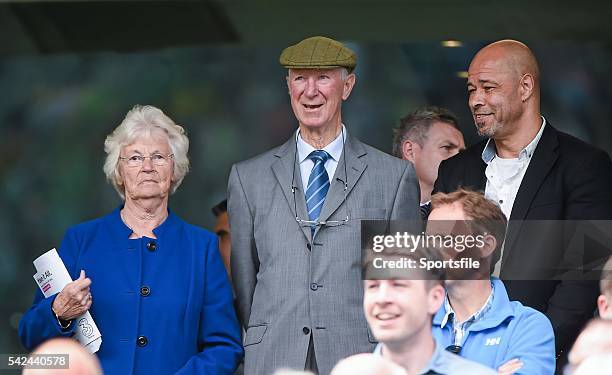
[287, 80]
[349, 82]
[435, 298]
[603, 307]
[118, 177]
[527, 85]
[490, 243]
[408, 150]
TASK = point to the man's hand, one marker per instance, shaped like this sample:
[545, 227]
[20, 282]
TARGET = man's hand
[74, 299]
[510, 367]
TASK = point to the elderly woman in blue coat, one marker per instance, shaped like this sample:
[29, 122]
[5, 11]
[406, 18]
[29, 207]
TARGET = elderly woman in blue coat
[154, 284]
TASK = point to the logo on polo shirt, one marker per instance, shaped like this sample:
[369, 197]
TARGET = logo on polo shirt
[493, 341]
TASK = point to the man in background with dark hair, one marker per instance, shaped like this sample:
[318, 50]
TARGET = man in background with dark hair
[222, 231]
[478, 321]
[425, 138]
[225, 248]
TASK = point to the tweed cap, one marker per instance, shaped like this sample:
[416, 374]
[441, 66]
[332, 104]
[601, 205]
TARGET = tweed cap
[318, 52]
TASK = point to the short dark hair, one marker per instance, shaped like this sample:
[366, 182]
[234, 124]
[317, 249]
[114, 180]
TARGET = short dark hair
[220, 208]
[415, 126]
[483, 215]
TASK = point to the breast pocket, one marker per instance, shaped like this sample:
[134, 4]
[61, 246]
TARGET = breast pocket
[255, 334]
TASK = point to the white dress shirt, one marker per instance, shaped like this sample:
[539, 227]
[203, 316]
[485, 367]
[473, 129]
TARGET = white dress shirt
[504, 176]
[334, 149]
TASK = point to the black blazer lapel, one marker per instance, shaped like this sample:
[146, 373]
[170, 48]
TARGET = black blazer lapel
[475, 177]
[543, 159]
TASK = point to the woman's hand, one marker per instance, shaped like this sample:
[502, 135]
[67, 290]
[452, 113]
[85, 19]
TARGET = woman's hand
[74, 299]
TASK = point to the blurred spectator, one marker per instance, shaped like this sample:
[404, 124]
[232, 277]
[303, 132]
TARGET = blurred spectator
[596, 364]
[594, 340]
[399, 312]
[80, 360]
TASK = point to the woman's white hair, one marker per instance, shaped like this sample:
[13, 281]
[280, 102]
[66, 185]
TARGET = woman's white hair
[143, 121]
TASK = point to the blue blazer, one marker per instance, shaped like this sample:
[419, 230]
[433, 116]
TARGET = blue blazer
[162, 305]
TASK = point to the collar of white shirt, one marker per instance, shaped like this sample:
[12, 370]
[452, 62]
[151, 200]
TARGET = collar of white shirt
[490, 151]
[334, 149]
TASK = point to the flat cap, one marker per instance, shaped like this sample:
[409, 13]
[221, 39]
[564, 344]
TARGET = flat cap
[318, 52]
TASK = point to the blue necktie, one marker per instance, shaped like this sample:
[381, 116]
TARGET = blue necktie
[318, 185]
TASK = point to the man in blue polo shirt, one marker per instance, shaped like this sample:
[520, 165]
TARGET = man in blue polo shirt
[477, 320]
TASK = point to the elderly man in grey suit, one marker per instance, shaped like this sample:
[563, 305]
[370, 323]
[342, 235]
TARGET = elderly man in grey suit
[295, 215]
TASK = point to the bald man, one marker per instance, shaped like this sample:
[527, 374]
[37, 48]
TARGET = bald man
[80, 361]
[534, 172]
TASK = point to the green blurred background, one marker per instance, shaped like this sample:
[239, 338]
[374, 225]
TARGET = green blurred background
[69, 72]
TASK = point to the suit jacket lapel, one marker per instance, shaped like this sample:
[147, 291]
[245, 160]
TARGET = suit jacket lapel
[542, 161]
[355, 165]
[282, 168]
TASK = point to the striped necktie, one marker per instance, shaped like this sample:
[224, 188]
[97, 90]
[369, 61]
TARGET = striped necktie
[318, 185]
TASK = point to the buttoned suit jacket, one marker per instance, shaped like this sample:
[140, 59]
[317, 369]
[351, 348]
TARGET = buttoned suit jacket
[288, 285]
[185, 317]
[567, 179]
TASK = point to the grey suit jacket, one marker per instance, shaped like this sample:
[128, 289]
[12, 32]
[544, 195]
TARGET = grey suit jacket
[288, 285]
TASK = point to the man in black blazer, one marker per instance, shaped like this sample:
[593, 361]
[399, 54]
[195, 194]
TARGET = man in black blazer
[534, 172]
